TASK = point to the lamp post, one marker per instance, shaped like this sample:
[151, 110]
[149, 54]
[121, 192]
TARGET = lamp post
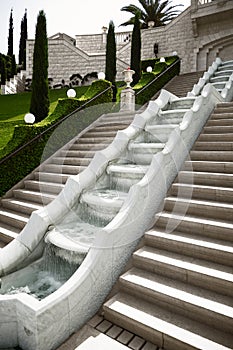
[149, 69]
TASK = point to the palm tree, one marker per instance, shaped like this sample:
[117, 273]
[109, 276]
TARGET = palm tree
[159, 11]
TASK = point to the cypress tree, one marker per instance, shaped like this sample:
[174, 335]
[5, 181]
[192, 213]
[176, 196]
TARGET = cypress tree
[13, 66]
[10, 37]
[40, 91]
[110, 64]
[3, 70]
[22, 42]
[136, 50]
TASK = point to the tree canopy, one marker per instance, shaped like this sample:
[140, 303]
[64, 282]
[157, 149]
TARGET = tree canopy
[160, 12]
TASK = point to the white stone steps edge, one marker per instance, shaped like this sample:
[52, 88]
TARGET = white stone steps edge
[218, 278]
[199, 308]
[204, 226]
[214, 250]
[164, 333]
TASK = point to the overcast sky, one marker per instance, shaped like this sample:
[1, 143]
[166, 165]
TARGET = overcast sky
[71, 17]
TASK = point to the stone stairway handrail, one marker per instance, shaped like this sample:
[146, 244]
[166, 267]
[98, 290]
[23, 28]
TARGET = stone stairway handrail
[205, 78]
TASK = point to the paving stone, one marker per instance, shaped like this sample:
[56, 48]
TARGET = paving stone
[125, 337]
[150, 346]
[136, 343]
[114, 332]
[104, 326]
[95, 320]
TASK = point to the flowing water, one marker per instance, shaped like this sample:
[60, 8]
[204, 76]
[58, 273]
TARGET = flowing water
[41, 277]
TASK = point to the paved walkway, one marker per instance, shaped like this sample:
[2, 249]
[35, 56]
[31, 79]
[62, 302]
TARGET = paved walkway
[98, 325]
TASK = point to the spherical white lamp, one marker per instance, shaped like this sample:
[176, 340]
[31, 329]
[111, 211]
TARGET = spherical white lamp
[162, 59]
[29, 118]
[149, 69]
[101, 76]
[71, 93]
[174, 53]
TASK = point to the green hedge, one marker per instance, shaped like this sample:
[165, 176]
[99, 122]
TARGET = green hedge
[18, 166]
[151, 62]
[145, 93]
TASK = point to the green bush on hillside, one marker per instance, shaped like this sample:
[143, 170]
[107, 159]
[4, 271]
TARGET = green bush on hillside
[18, 166]
[144, 93]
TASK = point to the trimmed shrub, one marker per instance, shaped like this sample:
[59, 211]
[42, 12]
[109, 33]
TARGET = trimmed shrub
[145, 93]
[21, 164]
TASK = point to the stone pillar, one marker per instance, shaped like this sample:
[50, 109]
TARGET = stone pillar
[128, 94]
[104, 35]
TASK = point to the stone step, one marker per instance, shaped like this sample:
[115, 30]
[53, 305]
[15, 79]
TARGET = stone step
[206, 178]
[214, 193]
[13, 218]
[225, 104]
[71, 161]
[180, 298]
[8, 232]
[200, 208]
[212, 228]
[220, 84]
[222, 113]
[51, 177]
[78, 153]
[215, 137]
[34, 196]
[212, 155]
[86, 147]
[116, 120]
[64, 169]
[219, 78]
[217, 251]
[43, 186]
[209, 166]
[223, 72]
[95, 139]
[198, 272]
[163, 327]
[99, 134]
[225, 67]
[220, 122]
[213, 146]
[109, 127]
[20, 206]
[218, 129]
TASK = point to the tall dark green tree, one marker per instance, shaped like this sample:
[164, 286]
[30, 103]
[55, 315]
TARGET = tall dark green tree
[110, 64]
[40, 90]
[13, 66]
[160, 12]
[22, 41]
[2, 70]
[10, 37]
[135, 61]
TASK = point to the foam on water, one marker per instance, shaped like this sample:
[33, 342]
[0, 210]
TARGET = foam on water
[41, 277]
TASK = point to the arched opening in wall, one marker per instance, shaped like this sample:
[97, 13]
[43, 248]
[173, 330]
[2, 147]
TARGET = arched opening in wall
[223, 48]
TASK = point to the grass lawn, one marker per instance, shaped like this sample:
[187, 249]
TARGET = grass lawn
[14, 107]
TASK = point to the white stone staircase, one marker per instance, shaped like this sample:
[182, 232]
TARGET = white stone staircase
[178, 294]
[46, 182]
